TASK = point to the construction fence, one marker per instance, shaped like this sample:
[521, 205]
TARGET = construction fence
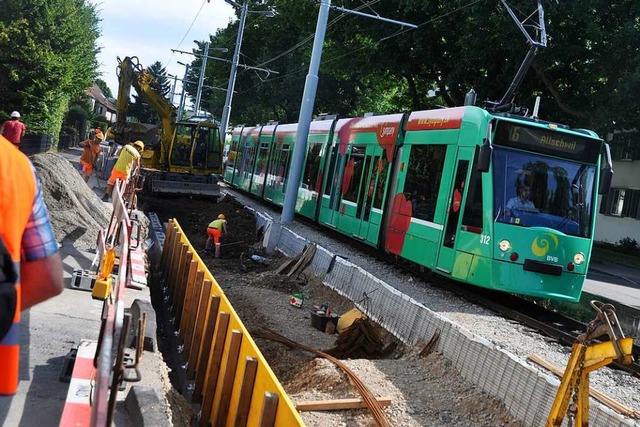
[231, 378]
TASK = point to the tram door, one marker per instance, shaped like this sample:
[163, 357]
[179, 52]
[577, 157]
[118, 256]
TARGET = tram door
[367, 194]
[453, 215]
[333, 185]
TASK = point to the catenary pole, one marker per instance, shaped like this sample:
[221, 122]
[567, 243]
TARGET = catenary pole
[201, 80]
[226, 111]
[304, 120]
[182, 100]
[306, 108]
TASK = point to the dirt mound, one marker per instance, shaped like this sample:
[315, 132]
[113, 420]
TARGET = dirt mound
[77, 213]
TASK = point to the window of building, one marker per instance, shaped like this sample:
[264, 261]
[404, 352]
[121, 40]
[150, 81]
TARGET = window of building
[626, 146]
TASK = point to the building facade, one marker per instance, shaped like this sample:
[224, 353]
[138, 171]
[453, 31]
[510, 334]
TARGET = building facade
[619, 210]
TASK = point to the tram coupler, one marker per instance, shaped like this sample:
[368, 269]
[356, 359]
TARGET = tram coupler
[587, 356]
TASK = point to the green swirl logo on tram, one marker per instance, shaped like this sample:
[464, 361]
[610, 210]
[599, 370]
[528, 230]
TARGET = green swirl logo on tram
[542, 244]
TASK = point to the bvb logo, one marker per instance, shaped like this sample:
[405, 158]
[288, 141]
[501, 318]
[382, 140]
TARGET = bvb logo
[542, 244]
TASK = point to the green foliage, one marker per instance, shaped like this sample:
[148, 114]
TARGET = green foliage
[587, 76]
[628, 245]
[104, 88]
[47, 56]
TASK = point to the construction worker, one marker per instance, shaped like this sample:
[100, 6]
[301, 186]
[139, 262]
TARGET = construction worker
[215, 230]
[91, 149]
[13, 129]
[30, 264]
[129, 155]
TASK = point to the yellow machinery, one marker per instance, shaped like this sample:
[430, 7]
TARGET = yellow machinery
[573, 394]
[184, 157]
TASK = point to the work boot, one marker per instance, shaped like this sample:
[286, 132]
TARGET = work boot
[105, 198]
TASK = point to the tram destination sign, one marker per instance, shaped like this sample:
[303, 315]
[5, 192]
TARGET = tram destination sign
[547, 141]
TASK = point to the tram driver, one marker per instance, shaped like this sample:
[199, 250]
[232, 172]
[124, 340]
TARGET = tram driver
[521, 202]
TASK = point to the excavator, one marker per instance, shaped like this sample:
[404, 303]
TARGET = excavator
[181, 157]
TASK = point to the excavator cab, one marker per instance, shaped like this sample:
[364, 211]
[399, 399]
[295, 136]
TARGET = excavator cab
[196, 146]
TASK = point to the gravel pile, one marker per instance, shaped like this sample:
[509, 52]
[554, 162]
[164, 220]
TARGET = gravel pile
[509, 335]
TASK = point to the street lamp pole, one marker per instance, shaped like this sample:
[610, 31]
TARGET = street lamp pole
[226, 111]
[201, 81]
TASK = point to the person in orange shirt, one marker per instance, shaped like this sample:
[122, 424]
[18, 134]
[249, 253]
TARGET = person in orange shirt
[13, 129]
[91, 149]
[31, 268]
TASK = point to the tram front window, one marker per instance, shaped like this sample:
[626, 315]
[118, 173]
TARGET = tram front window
[532, 190]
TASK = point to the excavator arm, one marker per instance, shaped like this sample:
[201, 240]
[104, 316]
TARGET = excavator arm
[131, 73]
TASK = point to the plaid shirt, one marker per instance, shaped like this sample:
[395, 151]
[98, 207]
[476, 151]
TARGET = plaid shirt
[38, 240]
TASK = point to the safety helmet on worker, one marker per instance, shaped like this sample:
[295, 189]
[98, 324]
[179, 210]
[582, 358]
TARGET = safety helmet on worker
[139, 144]
[15, 115]
[221, 216]
[100, 136]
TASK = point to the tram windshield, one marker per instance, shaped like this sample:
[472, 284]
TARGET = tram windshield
[534, 190]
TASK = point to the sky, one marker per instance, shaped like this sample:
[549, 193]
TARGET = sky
[150, 29]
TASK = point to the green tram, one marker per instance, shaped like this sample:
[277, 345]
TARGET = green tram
[495, 200]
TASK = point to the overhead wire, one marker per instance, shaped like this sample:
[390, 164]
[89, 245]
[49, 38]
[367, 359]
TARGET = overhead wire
[195, 18]
[351, 52]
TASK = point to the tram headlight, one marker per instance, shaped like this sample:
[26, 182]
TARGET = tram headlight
[504, 245]
[578, 258]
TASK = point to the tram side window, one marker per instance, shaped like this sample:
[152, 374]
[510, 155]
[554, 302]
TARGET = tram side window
[472, 217]
[312, 166]
[422, 182]
[282, 167]
[353, 173]
[332, 169]
[383, 170]
[262, 159]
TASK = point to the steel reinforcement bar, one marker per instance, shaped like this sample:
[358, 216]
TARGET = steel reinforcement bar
[232, 380]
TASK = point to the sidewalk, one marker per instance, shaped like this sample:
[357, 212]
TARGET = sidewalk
[50, 331]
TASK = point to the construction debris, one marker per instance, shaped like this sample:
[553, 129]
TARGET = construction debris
[348, 318]
[428, 348]
[292, 267]
[361, 341]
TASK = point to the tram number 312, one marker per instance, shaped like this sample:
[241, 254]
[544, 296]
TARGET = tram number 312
[484, 239]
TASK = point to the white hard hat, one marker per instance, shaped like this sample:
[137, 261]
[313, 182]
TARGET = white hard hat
[15, 114]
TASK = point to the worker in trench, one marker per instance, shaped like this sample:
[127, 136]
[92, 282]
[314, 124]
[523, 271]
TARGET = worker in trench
[216, 229]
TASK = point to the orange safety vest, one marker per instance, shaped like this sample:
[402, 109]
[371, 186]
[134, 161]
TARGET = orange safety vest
[17, 192]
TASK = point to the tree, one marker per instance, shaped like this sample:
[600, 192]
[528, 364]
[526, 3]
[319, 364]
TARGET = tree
[161, 84]
[104, 88]
[587, 76]
[47, 57]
